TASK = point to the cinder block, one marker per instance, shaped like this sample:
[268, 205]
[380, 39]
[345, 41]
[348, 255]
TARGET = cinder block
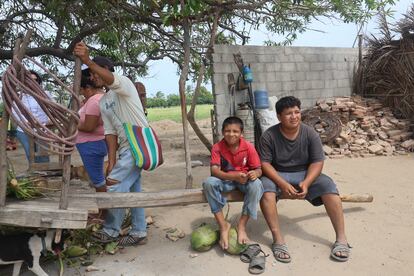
[325, 57]
[297, 58]
[288, 86]
[331, 83]
[338, 74]
[317, 66]
[317, 84]
[330, 66]
[303, 85]
[328, 75]
[280, 58]
[298, 76]
[216, 58]
[270, 76]
[344, 83]
[313, 75]
[257, 68]
[266, 58]
[343, 91]
[270, 67]
[222, 99]
[222, 68]
[274, 87]
[302, 66]
[288, 67]
[248, 58]
[342, 66]
[283, 76]
[311, 58]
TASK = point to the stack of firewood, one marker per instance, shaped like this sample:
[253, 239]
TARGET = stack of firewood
[368, 128]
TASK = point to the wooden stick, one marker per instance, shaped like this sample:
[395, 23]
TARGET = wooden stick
[63, 204]
[176, 198]
[19, 51]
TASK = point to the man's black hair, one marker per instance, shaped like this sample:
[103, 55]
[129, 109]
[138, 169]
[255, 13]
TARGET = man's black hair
[286, 102]
[38, 78]
[232, 120]
[104, 62]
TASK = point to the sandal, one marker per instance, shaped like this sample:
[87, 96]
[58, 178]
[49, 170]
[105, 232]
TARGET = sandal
[251, 251]
[130, 240]
[257, 265]
[279, 249]
[340, 247]
[103, 237]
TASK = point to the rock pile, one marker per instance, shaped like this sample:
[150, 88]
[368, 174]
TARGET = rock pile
[368, 128]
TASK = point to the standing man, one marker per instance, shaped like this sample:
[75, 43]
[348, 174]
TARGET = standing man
[120, 104]
[292, 161]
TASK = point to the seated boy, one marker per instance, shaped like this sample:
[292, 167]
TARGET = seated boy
[235, 164]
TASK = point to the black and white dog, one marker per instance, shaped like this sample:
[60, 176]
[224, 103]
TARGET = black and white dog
[27, 247]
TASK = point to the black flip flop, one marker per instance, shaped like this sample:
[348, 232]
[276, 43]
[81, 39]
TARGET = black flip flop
[251, 251]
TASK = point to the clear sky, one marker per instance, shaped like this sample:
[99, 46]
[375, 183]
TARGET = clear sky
[163, 74]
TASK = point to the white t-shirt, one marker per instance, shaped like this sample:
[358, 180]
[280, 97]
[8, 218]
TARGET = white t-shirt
[121, 104]
[34, 108]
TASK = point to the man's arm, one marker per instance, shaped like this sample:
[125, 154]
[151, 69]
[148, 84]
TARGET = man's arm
[270, 172]
[82, 51]
[112, 144]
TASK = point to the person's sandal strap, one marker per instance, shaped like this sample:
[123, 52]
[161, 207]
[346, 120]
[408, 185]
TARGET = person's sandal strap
[251, 251]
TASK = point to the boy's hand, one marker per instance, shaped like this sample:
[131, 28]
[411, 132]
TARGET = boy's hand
[241, 177]
[252, 175]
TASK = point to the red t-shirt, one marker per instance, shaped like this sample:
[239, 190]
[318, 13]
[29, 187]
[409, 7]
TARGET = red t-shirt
[244, 160]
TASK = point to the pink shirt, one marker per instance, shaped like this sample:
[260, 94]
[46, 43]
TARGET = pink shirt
[91, 107]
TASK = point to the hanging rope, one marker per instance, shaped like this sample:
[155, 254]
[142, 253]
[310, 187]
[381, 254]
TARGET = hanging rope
[56, 139]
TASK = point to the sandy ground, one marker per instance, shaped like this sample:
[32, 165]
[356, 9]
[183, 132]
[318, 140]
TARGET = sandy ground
[380, 232]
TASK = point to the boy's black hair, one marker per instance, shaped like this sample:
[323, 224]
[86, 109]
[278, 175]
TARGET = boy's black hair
[231, 121]
[286, 102]
[38, 78]
[86, 82]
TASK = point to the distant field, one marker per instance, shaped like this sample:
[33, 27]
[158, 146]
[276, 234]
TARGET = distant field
[174, 113]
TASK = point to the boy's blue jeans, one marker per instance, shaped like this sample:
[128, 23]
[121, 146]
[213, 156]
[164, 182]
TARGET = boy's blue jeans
[25, 141]
[129, 177]
[252, 190]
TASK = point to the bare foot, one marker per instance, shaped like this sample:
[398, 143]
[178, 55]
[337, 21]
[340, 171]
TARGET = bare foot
[242, 237]
[224, 236]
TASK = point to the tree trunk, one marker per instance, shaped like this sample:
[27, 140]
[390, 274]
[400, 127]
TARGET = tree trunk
[190, 115]
[181, 85]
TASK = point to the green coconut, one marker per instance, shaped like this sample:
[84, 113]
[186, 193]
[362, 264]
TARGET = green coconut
[204, 237]
[235, 248]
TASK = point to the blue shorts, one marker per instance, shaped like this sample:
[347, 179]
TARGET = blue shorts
[93, 156]
[322, 185]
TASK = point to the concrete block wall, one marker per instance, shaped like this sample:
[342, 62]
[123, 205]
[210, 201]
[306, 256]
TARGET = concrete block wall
[309, 73]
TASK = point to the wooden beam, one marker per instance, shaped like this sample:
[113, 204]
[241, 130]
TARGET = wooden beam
[179, 197]
[72, 128]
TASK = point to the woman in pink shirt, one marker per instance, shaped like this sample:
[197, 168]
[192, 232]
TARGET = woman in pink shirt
[90, 141]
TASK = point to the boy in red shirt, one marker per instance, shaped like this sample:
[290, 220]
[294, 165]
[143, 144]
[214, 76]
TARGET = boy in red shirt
[235, 164]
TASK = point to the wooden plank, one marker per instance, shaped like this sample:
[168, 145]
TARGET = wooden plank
[179, 197]
[72, 128]
[41, 217]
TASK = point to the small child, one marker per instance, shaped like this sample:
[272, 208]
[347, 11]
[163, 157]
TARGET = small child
[235, 164]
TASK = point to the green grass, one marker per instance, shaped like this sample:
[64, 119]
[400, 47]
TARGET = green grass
[174, 113]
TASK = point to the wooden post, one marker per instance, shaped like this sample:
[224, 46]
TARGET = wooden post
[181, 84]
[63, 204]
[19, 51]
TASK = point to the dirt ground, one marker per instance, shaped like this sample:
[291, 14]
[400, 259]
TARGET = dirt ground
[379, 232]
